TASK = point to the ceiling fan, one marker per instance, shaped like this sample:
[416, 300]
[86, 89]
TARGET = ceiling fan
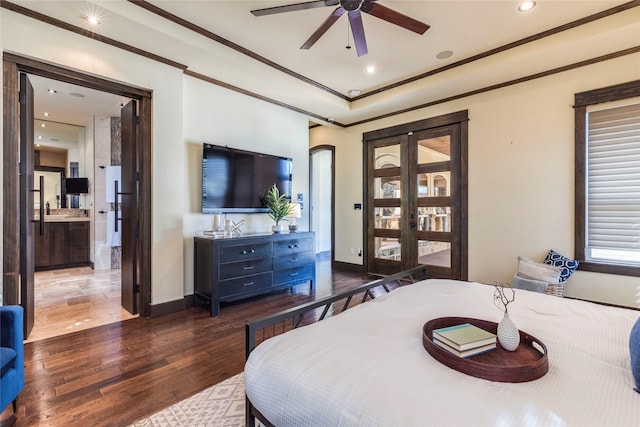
[353, 9]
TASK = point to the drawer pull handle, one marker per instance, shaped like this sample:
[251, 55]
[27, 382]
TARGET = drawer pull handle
[248, 268]
[293, 274]
[293, 260]
[247, 284]
[293, 246]
[252, 251]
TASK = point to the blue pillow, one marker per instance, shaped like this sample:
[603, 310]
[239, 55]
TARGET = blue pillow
[634, 352]
[567, 265]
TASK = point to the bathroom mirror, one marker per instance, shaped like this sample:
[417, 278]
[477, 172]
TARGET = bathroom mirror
[53, 186]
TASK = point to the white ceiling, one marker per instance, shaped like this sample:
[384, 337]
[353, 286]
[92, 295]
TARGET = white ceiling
[467, 28]
[69, 109]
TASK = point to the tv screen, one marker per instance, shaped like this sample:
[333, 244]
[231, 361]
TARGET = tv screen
[235, 180]
[76, 185]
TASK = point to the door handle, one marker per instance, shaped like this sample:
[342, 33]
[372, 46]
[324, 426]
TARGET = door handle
[41, 191]
[116, 193]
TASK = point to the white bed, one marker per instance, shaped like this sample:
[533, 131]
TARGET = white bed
[368, 367]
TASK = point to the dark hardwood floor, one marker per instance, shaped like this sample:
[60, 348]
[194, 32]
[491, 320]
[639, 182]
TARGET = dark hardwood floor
[116, 374]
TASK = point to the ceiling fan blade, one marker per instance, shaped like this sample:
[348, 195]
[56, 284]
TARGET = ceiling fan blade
[397, 18]
[357, 29]
[294, 7]
[323, 28]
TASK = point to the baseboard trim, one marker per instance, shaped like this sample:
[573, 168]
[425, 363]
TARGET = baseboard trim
[171, 306]
[348, 266]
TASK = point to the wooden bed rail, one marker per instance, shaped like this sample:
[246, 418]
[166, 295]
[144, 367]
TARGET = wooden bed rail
[304, 314]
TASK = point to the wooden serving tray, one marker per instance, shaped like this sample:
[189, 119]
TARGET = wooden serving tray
[527, 363]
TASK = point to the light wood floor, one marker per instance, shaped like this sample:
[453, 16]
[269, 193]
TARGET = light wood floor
[75, 299]
[115, 374]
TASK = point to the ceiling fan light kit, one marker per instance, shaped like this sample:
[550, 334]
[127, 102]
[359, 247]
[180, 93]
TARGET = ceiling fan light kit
[354, 9]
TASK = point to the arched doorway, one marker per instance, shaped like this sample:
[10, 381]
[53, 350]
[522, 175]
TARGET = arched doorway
[322, 189]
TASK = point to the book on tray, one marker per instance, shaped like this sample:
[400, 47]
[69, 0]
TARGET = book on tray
[464, 337]
[465, 353]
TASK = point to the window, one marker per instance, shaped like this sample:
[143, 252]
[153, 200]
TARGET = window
[608, 179]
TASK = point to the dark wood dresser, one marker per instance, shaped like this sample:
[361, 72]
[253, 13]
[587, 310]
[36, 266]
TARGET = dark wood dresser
[234, 268]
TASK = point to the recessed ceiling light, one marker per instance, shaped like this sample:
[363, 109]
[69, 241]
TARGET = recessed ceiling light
[40, 137]
[354, 92]
[52, 91]
[45, 114]
[371, 69]
[445, 54]
[93, 20]
[43, 125]
[526, 6]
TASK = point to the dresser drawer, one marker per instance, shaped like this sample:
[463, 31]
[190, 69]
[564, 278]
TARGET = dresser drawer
[291, 245]
[243, 251]
[245, 285]
[293, 259]
[245, 268]
[292, 275]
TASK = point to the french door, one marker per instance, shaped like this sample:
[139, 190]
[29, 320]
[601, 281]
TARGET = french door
[416, 197]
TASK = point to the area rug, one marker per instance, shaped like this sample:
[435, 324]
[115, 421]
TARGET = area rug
[221, 405]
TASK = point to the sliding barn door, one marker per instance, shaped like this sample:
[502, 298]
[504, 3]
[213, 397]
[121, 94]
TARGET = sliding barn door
[129, 213]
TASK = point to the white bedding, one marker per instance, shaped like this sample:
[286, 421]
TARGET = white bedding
[368, 367]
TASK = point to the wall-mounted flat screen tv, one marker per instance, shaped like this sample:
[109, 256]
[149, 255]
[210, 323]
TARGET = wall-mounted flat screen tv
[76, 185]
[235, 180]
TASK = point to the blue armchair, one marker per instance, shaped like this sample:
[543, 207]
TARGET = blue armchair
[11, 355]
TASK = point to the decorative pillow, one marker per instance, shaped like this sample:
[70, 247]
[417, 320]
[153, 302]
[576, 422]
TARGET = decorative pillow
[520, 282]
[537, 271]
[634, 352]
[567, 265]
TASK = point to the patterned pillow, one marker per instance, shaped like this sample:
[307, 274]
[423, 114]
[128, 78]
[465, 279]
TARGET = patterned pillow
[634, 352]
[567, 265]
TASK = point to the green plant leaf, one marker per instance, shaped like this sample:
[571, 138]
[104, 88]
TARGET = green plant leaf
[278, 205]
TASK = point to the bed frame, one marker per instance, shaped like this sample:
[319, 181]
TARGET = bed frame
[260, 330]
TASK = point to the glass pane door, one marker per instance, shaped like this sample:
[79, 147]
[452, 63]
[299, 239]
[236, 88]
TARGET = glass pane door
[386, 191]
[416, 192]
[433, 237]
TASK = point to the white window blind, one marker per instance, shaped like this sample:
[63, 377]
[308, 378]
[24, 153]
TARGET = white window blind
[613, 184]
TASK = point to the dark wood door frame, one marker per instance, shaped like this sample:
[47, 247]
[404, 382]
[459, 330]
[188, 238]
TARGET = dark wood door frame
[12, 66]
[312, 151]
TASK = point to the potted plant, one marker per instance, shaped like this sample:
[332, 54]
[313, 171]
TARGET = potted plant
[278, 205]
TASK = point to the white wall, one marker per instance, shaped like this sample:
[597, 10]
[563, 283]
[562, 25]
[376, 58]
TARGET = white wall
[186, 113]
[24, 36]
[520, 158]
[521, 190]
[218, 116]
